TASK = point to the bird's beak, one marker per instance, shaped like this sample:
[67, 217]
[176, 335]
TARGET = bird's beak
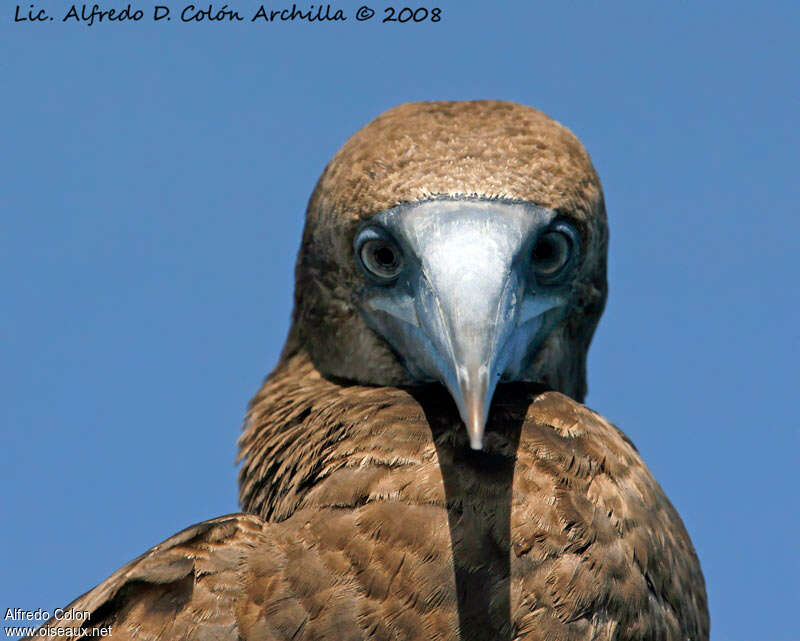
[464, 313]
[466, 305]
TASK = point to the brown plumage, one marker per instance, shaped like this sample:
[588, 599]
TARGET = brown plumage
[369, 515]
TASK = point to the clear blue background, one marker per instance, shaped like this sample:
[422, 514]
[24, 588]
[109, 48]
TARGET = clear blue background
[153, 179]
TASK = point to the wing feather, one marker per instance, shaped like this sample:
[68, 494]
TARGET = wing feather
[183, 588]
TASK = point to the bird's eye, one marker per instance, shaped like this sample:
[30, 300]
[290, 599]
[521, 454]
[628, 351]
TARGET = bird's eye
[381, 258]
[551, 254]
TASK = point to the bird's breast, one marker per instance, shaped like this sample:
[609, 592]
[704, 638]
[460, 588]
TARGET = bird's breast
[557, 519]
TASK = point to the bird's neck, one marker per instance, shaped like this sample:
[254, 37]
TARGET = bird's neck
[303, 429]
[312, 442]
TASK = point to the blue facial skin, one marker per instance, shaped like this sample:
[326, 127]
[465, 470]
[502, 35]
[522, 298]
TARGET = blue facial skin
[465, 291]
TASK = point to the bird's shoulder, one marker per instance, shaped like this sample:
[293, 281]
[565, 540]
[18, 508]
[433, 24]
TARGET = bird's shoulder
[184, 587]
[590, 521]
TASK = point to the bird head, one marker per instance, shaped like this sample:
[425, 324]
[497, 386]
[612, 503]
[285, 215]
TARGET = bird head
[458, 242]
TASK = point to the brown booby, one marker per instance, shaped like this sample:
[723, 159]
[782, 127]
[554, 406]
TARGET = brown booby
[419, 464]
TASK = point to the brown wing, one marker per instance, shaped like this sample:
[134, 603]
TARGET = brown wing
[598, 551]
[183, 588]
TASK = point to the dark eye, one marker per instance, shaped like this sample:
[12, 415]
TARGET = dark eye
[551, 253]
[381, 258]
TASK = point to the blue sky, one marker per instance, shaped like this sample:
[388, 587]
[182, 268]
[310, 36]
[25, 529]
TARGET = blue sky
[154, 179]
